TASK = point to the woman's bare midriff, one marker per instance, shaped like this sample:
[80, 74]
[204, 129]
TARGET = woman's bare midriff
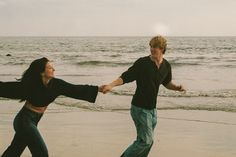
[34, 108]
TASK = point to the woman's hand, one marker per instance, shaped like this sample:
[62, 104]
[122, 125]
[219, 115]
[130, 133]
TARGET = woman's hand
[100, 88]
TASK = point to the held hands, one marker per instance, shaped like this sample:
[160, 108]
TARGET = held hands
[108, 88]
[100, 88]
[105, 89]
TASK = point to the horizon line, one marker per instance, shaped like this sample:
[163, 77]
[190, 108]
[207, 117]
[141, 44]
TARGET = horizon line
[116, 36]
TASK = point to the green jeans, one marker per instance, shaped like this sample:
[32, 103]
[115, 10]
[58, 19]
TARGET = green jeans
[145, 122]
[27, 134]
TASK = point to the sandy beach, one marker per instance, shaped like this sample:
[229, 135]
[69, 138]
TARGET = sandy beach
[75, 132]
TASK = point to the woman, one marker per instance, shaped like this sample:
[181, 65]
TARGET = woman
[38, 88]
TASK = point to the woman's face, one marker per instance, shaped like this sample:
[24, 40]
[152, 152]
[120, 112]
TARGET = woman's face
[49, 71]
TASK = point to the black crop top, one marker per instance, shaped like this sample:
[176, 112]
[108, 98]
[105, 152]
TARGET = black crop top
[43, 97]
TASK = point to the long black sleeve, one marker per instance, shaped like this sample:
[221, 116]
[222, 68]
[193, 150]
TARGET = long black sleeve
[12, 90]
[82, 92]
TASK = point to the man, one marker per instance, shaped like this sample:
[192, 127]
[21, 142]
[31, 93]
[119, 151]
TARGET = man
[149, 72]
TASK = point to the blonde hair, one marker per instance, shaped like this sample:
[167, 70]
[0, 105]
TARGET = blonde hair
[158, 42]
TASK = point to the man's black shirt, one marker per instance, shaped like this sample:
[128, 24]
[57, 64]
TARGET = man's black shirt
[148, 79]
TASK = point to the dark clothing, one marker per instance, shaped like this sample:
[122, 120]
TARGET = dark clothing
[148, 79]
[25, 123]
[12, 90]
[41, 97]
[27, 134]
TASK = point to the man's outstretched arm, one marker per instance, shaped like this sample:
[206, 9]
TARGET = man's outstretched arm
[175, 87]
[108, 88]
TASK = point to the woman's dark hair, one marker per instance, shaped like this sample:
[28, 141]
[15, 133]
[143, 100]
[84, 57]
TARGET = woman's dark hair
[32, 79]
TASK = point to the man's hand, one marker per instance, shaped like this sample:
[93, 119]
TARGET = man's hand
[106, 89]
[172, 86]
[180, 88]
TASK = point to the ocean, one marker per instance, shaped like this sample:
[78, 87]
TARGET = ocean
[206, 66]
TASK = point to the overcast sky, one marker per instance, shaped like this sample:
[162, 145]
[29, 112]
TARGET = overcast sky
[117, 17]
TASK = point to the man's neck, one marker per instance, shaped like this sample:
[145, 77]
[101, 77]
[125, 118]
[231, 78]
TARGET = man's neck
[158, 61]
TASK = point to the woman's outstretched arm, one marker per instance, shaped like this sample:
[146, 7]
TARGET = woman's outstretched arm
[12, 90]
[82, 92]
